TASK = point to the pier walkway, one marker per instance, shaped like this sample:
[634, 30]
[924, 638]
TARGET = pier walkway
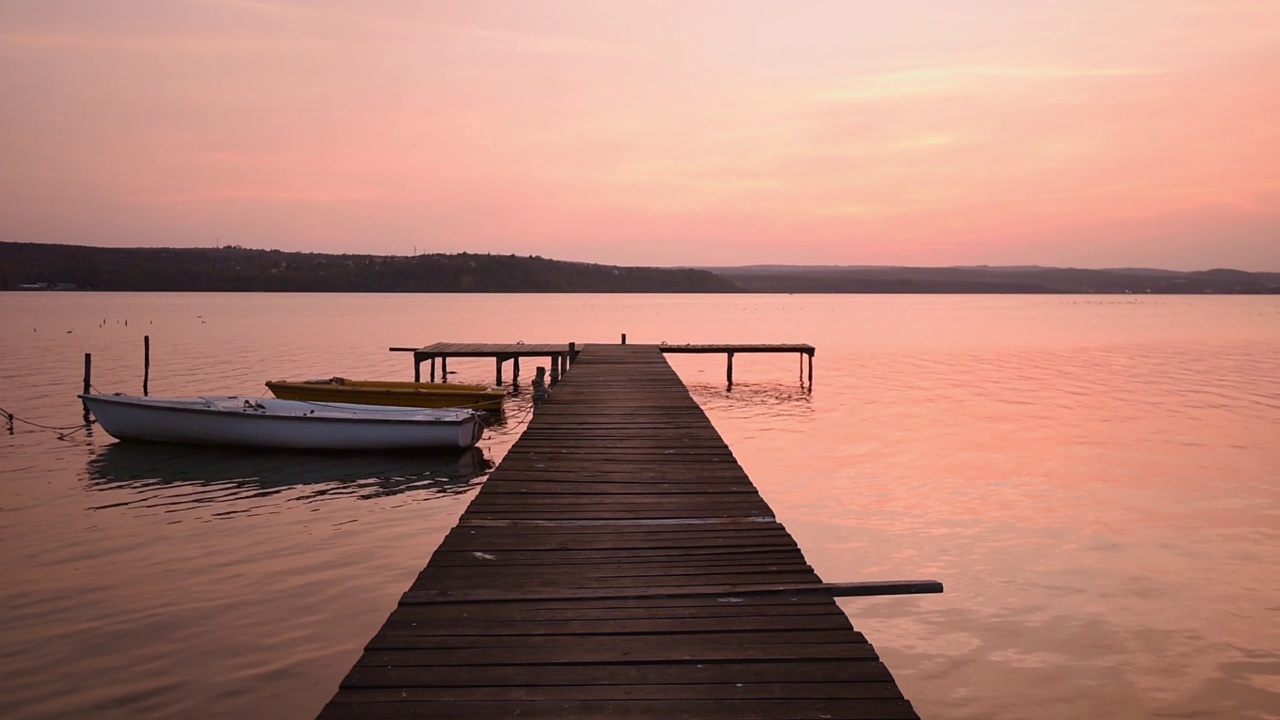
[619, 563]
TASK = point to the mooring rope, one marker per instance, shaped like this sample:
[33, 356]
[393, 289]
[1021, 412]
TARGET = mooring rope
[514, 423]
[64, 431]
[11, 418]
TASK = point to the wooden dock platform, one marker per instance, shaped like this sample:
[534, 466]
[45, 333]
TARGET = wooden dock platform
[731, 350]
[558, 355]
[561, 354]
[619, 563]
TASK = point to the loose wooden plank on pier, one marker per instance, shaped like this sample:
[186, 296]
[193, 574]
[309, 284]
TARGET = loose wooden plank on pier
[619, 564]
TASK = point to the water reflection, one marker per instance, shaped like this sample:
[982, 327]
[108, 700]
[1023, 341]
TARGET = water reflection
[178, 477]
[775, 398]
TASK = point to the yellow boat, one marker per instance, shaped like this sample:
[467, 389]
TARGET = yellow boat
[381, 392]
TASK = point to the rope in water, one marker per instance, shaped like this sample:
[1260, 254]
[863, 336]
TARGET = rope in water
[65, 431]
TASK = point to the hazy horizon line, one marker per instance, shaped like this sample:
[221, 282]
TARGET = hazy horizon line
[843, 266]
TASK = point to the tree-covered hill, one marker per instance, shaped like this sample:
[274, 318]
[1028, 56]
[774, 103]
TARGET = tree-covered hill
[235, 269]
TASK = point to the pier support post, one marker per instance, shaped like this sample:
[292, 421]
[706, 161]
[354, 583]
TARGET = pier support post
[88, 383]
[573, 352]
[539, 385]
[417, 367]
[515, 369]
[444, 369]
[810, 370]
[624, 338]
[728, 369]
[146, 363]
[555, 369]
[498, 376]
[564, 364]
[433, 368]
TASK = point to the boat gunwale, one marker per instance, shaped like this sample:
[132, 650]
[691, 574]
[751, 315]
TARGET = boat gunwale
[389, 387]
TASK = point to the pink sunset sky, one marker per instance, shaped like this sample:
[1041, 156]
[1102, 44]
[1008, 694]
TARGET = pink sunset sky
[704, 132]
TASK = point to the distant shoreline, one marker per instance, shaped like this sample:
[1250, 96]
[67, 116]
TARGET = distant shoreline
[1264, 292]
[36, 267]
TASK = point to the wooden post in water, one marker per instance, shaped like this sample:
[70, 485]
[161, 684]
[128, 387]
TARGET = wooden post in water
[444, 368]
[498, 370]
[810, 371]
[555, 369]
[417, 367]
[433, 368]
[573, 351]
[624, 338]
[728, 368]
[515, 369]
[146, 363]
[88, 383]
[539, 384]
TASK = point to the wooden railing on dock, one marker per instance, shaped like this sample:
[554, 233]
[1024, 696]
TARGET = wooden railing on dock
[619, 564]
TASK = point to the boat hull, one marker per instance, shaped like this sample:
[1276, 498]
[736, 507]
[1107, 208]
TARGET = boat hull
[272, 423]
[398, 394]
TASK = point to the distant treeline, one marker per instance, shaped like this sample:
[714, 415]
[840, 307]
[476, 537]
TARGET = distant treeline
[235, 269]
[831, 279]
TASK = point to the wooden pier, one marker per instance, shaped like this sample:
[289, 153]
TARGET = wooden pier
[559, 356]
[562, 354]
[731, 350]
[619, 563]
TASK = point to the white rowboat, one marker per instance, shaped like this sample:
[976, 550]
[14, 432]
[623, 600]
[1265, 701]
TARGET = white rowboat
[274, 423]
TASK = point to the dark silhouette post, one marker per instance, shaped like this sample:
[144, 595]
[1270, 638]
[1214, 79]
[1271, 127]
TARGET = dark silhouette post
[146, 363]
[88, 384]
[539, 385]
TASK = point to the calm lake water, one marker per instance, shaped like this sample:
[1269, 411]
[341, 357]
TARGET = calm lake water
[1095, 479]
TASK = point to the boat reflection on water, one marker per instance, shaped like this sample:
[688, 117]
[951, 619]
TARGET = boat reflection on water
[192, 474]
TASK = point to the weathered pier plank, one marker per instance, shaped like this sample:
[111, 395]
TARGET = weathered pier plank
[619, 563]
